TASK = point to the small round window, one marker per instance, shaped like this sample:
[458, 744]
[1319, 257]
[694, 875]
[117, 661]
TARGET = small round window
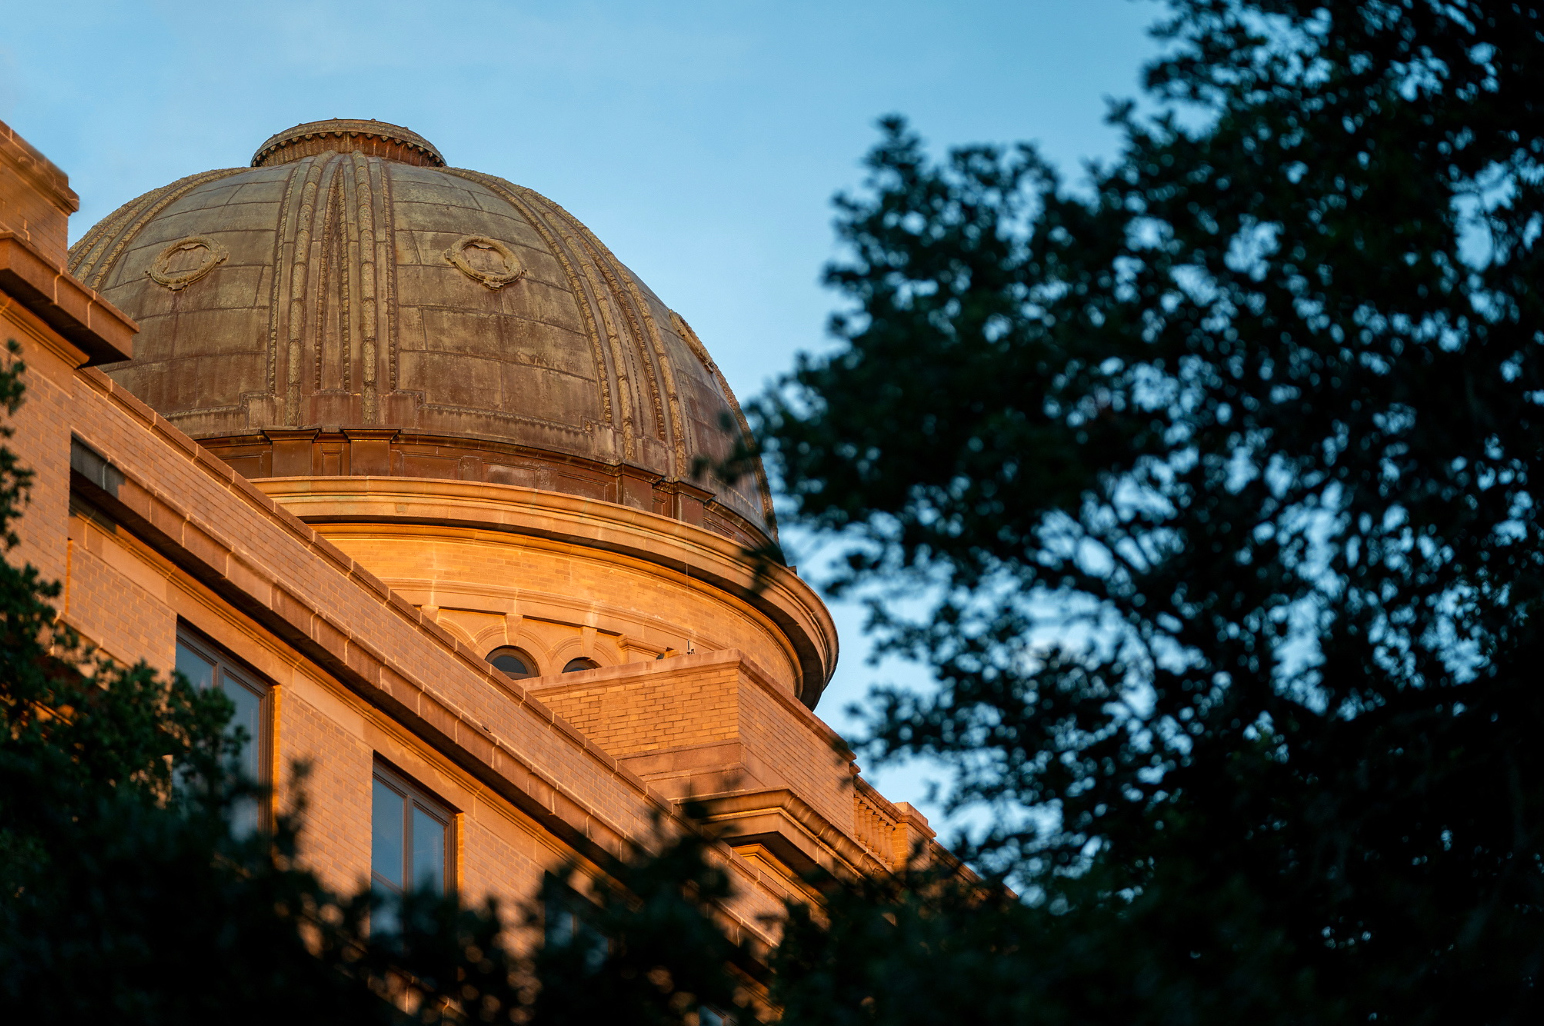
[513, 662]
[575, 665]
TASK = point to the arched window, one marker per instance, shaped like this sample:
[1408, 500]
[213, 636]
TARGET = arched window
[575, 665]
[513, 661]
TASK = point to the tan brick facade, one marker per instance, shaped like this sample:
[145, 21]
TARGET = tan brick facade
[367, 606]
[116, 595]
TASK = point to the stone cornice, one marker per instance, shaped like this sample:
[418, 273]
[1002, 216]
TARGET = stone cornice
[364, 451]
[102, 332]
[344, 133]
[814, 842]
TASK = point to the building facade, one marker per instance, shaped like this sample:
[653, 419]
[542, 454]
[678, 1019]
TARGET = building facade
[404, 460]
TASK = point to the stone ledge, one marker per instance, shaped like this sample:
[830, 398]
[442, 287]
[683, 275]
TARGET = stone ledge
[100, 330]
[784, 824]
[43, 173]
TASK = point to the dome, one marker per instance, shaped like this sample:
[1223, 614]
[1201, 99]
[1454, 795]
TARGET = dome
[349, 305]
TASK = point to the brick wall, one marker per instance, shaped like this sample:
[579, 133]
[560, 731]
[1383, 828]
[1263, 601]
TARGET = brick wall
[706, 722]
[800, 748]
[107, 600]
[336, 839]
[42, 431]
[653, 711]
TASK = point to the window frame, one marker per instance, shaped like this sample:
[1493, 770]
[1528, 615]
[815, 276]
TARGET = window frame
[533, 669]
[226, 664]
[415, 795]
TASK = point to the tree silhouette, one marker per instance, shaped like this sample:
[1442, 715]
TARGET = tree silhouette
[1222, 472]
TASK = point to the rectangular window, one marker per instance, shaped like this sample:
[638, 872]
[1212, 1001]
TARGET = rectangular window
[410, 837]
[206, 666]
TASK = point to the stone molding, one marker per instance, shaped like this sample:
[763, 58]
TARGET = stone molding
[794, 832]
[102, 332]
[348, 134]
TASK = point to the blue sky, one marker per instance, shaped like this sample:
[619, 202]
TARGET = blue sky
[701, 140]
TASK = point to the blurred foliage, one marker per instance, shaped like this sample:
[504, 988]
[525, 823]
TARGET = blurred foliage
[652, 949]
[1217, 476]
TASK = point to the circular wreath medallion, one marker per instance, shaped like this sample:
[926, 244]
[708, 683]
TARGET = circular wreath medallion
[185, 261]
[485, 260]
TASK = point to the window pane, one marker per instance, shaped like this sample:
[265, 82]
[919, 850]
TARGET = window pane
[246, 721]
[560, 923]
[512, 661]
[428, 852]
[565, 926]
[386, 822]
[247, 717]
[198, 670]
[384, 918]
[244, 817]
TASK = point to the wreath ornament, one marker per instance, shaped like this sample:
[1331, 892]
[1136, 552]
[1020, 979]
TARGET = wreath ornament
[185, 261]
[485, 260]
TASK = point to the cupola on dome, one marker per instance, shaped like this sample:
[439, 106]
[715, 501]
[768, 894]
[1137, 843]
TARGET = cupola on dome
[349, 305]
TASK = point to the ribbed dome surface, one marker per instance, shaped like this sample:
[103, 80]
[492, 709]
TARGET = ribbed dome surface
[349, 307]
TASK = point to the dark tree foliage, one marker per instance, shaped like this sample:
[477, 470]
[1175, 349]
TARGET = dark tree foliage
[1225, 474]
[651, 951]
[126, 899]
